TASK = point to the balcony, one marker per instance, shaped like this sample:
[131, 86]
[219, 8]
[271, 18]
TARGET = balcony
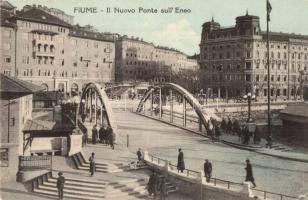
[44, 53]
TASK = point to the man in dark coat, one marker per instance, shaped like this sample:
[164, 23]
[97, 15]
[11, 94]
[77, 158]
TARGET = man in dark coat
[181, 163]
[110, 137]
[60, 185]
[152, 184]
[229, 126]
[207, 170]
[101, 134]
[139, 155]
[94, 134]
[249, 174]
[163, 189]
[92, 164]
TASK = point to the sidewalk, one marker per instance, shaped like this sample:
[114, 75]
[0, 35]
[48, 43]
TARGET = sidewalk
[277, 150]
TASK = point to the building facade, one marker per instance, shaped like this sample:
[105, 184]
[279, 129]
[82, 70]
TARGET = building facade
[233, 61]
[16, 109]
[137, 60]
[47, 51]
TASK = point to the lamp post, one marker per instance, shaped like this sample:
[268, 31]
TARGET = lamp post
[249, 97]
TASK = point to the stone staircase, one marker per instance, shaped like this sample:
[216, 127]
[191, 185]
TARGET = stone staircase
[83, 164]
[83, 189]
[80, 189]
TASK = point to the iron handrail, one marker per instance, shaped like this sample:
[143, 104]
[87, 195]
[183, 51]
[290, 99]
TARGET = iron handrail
[281, 196]
[215, 181]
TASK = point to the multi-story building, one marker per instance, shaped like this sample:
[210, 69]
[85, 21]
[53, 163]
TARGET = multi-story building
[53, 11]
[137, 60]
[16, 110]
[233, 60]
[47, 51]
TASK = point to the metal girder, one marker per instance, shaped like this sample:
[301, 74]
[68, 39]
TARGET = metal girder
[101, 96]
[189, 98]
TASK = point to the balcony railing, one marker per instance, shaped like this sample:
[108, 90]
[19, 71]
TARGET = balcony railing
[35, 162]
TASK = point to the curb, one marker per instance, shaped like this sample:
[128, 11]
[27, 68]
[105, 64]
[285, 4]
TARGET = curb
[243, 147]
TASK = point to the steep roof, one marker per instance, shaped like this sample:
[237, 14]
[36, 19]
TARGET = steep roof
[11, 85]
[37, 15]
[6, 19]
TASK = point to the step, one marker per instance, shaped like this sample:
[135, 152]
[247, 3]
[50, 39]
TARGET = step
[126, 189]
[75, 187]
[84, 182]
[83, 157]
[73, 196]
[127, 181]
[74, 192]
[121, 195]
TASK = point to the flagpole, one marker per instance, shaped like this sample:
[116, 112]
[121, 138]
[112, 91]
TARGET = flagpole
[268, 77]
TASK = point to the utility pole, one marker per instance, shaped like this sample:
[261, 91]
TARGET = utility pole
[268, 10]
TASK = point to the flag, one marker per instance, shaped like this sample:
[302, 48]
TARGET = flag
[269, 9]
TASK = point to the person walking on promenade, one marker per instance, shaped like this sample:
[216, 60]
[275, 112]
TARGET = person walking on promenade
[101, 134]
[207, 170]
[223, 125]
[60, 185]
[139, 155]
[94, 134]
[92, 164]
[110, 136]
[181, 163]
[229, 126]
[249, 174]
[217, 131]
[163, 189]
[152, 184]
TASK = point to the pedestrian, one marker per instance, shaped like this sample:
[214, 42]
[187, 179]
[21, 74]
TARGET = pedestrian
[249, 174]
[181, 163]
[207, 170]
[110, 137]
[223, 125]
[217, 132]
[152, 184]
[229, 126]
[139, 155]
[92, 164]
[101, 134]
[60, 185]
[94, 134]
[163, 189]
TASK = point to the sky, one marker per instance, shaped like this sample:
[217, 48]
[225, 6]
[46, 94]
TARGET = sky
[179, 30]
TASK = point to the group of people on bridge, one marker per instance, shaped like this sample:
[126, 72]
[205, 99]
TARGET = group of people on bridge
[103, 135]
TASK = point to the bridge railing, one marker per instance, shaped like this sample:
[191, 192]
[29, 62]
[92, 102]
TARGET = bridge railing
[271, 195]
[230, 185]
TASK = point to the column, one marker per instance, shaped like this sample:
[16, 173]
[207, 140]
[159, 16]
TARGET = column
[102, 112]
[151, 99]
[91, 98]
[184, 111]
[95, 107]
[171, 106]
[200, 124]
[160, 105]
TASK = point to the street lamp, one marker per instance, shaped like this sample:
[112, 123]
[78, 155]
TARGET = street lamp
[249, 97]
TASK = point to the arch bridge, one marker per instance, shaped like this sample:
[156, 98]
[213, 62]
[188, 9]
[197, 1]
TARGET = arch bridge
[94, 108]
[173, 103]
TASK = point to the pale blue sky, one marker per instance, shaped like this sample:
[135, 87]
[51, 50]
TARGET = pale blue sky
[181, 31]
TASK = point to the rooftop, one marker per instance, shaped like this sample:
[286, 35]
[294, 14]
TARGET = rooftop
[10, 86]
[78, 31]
[37, 15]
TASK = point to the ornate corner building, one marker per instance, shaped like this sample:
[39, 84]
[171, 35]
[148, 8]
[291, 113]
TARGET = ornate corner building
[233, 61]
